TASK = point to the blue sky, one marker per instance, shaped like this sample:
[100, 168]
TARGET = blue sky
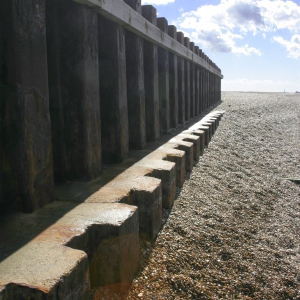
[256, 43]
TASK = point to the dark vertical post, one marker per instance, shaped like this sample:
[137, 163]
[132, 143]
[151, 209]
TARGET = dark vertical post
[192, 83]
[214, 82]
[26, 152]
[214, 88]
[213, 85]
[209, 82]
[206, 84]
[181, 82]
[197, 85]
[187, 82]
[3, 201]
[220, 87]
[201, 85]
[135, 84]
[163, 80]
[72, 44]
[217, 89]
[210, 86]
[173, 81]
[151, 80]
[113, 91]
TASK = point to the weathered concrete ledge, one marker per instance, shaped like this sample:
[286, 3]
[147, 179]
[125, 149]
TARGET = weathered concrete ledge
[89, 237]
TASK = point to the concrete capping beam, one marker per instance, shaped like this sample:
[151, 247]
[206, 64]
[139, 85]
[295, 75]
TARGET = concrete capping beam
[121, 13]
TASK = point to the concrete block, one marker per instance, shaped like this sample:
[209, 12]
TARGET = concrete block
[163, 170]
[163, 81]
[173, 81]
[201, 134]
[217, 114]
[206, 124]
[151, 80]
[45, 270]
[215, 120]
[173, 155]
[112, 241]
[211, 123]
[142, 191]
[147, 195]
[113, 91]
[187, 147]
[196, 140]
[201, 127]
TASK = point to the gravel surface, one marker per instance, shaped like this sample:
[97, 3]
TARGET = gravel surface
[234, 229]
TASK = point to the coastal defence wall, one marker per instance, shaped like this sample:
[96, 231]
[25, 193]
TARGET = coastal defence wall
[82, 83]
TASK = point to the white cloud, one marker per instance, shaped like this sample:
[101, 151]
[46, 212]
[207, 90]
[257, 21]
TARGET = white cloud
[280, 14]
[218, 27]
[157, 2]
[246, 50]
[246, 85]
[292, 46]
